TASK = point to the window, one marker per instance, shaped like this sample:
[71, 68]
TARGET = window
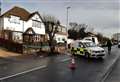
[81, 45]
[63, 39]
[63, 29]
[17, 37]
[58, 39]
[36, 24]
[14, 19]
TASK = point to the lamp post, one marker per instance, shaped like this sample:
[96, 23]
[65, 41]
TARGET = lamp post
[67, 25]
[0, 7]
[0, 20]
[67, 17]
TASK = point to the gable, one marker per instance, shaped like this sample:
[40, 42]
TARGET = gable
[29, 31]
[36, 17]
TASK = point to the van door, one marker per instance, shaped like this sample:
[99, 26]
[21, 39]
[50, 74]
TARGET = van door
[80, 49]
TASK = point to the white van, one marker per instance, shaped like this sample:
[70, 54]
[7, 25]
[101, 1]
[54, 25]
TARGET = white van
[93, 39]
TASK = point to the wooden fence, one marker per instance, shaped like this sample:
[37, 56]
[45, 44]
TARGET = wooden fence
[10, 45]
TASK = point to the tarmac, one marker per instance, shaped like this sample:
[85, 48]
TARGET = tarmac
[7, 56]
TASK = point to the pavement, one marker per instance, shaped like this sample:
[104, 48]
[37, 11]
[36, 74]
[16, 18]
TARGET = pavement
[114, 56]
[5, 53]
[17, 66]
[114, 75]
[12, 64]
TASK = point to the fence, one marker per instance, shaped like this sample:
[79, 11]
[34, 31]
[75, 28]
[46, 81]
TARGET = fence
[10, 45]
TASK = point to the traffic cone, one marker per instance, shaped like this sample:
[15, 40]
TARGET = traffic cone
[72, 65]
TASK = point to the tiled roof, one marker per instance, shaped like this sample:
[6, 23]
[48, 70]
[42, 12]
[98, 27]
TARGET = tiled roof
[20, 12]
[17, 11]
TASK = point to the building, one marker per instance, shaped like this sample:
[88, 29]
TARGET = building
[20, 26]
[116, 36]
[17, 21]
[20, 30]
[61, 35]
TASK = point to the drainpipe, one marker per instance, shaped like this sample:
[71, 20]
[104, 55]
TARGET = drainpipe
[23, 27]
[22, 30]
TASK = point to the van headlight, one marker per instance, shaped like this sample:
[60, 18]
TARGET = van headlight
[93, 51]
[90, 51]
[102, 51]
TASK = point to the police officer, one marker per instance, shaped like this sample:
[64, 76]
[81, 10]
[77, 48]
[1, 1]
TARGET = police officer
[109, 45]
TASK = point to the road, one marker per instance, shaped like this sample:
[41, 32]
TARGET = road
[114, 76]
[56, 69]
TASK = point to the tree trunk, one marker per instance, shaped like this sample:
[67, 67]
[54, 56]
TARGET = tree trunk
[52, 47]
[40, 46]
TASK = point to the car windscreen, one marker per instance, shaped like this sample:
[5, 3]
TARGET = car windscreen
[90, 44]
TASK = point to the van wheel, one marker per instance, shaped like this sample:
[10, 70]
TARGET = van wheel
[87, 55]
[101, 58]
[73, 54]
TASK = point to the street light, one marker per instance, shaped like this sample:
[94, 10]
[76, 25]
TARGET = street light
[67, 17]
[0, 7]
[67, 24]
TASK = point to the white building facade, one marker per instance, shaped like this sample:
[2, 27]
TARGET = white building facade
[17, 20]
[61, 35]
[116, 36]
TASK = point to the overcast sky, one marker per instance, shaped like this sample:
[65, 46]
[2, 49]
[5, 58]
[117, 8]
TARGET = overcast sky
[102, 15]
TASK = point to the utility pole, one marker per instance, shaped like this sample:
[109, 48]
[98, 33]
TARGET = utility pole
[0, 20]
[0, 8]
[67, 22]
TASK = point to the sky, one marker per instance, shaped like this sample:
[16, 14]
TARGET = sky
[102, 15]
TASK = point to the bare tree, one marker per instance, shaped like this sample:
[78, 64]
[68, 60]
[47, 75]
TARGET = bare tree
[51, 27]
[73, 25]
[77, 31]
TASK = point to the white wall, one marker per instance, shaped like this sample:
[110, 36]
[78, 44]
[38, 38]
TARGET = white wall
[1, 23]
[22, 26]
[59, 38]
[12, 26]
[27, 24]
[62, 29]
[38, 30]
[17, 37]
[41, 29]
[36, 17]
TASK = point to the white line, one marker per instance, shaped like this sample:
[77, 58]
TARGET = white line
[105, 76]
[34, 69]
[65, 59]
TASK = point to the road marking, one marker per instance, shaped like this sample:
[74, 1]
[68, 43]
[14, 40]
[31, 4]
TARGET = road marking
[65, 59]
[105, 76]
[34, 69]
